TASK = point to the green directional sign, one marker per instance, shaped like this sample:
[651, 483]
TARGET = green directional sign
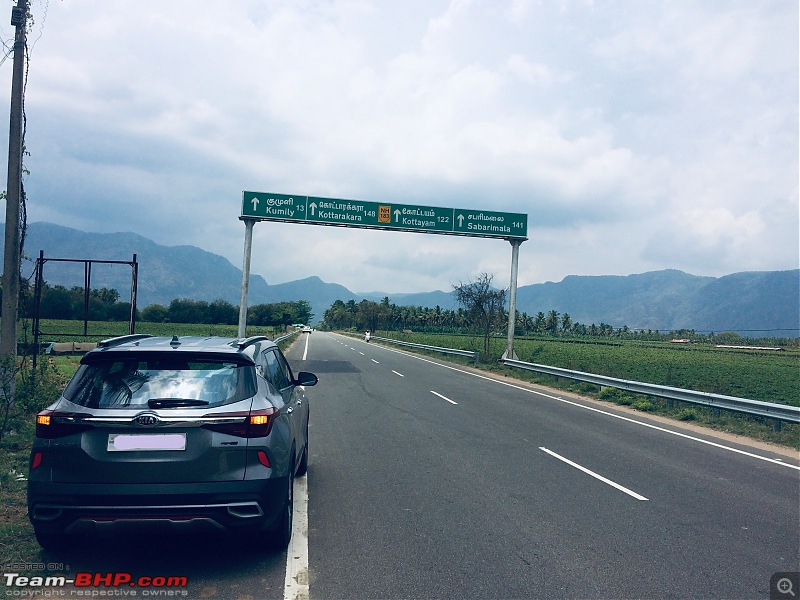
[266, 206]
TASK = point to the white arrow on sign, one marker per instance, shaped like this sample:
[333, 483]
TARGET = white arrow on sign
[313, 207]
[460, 220]
[397, 214]
[255, 204]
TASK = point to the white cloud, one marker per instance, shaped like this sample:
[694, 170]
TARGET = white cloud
[613, 126]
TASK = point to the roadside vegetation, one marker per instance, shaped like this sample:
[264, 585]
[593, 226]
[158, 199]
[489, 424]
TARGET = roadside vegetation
[103, 304]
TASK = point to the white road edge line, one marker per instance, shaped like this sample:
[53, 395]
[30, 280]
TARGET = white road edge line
[396, 373]
[295, 586]
[593, 474]
[603, 412]
[443, 397]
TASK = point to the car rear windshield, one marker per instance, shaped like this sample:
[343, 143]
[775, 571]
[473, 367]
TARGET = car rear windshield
[132, 383]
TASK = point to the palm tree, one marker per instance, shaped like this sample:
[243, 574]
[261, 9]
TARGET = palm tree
[566, 323]
[539, 322]
[551, 323]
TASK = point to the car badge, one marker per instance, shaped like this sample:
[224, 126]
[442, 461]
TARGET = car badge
[146, 419]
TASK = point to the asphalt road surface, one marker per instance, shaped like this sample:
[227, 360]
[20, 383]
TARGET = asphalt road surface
[428, 480]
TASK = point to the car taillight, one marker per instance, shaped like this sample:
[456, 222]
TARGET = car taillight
[36, 460]
[256, 423]
[53, 424]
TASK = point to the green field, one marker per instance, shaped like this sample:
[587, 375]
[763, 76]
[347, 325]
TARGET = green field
[767, 376]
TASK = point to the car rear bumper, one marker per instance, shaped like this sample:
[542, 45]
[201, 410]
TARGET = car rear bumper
[196, 507]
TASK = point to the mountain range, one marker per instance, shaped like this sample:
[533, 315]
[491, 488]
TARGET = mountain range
[763, 303]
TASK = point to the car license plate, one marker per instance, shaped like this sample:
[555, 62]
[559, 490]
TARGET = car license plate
[124, 442]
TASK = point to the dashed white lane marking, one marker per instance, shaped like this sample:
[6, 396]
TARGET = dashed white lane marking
[593, 474]
[396, 373]
[443, 397]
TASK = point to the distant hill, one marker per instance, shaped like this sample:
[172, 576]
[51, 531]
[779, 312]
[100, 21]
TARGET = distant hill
[763, 303]
[669, 300]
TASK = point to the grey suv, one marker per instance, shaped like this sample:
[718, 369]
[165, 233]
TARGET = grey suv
[189, 433]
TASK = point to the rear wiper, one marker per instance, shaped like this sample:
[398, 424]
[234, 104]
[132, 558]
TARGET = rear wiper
[174, 402]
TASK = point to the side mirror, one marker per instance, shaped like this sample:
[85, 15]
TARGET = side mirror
[304, 378]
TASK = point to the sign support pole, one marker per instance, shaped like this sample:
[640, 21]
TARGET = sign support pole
[512, 298]
[11, 263]
[248, 250]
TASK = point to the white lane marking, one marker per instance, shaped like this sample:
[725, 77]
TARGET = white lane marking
[603, 412]
[375, 361]
[593, 474]
[443, 397]
[361, 353]
[305, 352]
[396, 373]
[295, 586]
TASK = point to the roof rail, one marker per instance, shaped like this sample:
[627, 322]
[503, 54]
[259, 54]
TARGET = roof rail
[252, 340]
[123, 339]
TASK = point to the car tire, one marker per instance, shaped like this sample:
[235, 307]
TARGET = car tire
[302, 468]
[282, 534]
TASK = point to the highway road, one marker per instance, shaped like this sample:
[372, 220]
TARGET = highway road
[430, 480]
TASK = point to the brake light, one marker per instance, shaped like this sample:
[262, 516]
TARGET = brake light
[53, 424]
[256, 423]
[36, 460]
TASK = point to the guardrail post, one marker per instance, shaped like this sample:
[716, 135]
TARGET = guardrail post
[776, 425]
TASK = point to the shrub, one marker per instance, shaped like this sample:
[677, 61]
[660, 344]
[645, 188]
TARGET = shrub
[609, 393]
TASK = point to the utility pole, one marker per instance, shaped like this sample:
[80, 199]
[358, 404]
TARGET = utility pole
[11, 260]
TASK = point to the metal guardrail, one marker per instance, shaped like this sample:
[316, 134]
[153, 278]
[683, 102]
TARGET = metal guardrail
[772, 410]
[473, 354]
[286, 336]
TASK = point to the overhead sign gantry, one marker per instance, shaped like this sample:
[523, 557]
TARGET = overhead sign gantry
[339, 212]
[266, 206]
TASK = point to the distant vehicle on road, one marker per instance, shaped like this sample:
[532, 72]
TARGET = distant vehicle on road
[189, 433]
[307, 329]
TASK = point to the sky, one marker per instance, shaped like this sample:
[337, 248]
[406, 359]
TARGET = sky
[637, 135]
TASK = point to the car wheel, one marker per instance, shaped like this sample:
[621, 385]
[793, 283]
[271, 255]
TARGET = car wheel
[282, 534]
[302, 468]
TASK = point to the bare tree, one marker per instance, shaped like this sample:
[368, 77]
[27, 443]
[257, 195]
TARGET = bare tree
[482, 303]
